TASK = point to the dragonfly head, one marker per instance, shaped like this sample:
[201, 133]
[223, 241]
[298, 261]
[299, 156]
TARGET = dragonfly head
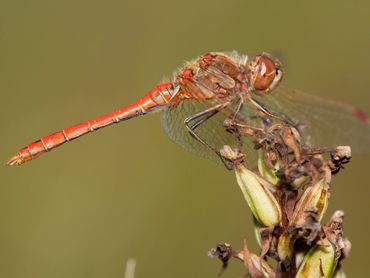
[265, 73]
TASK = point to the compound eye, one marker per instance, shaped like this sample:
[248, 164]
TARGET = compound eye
[265, 73]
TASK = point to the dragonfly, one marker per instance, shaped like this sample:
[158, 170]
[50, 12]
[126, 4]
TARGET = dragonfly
[218, 86]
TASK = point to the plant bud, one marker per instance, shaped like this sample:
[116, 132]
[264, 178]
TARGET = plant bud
[261, 201]
[320, 261]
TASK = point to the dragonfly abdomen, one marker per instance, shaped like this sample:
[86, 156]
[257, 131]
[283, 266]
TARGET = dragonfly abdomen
[157, 98]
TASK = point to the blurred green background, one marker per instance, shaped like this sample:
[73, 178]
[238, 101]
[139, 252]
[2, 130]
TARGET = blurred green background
[128, 191]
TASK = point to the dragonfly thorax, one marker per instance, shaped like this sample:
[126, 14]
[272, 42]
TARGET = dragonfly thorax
[213, 75]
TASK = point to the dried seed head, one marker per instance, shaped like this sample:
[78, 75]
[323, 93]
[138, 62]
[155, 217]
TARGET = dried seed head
[233, 156]
[223, 252]
[341, 155]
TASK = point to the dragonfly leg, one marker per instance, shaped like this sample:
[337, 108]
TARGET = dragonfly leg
[234, 120]
[238, 108]
[199, 119]
[271, 114]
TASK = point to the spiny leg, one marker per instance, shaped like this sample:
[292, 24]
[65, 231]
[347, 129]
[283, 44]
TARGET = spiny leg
[238, 108]
[204, 115]
[201, 118]
[204, 119]
[274, 114]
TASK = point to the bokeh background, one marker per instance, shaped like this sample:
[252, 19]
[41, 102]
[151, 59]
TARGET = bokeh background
[127, 191]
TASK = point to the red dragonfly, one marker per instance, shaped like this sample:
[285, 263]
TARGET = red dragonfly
[239, 88]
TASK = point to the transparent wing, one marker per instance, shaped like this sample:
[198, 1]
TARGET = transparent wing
[326, 123]
[212, 131]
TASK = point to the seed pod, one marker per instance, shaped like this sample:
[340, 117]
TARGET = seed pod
[320, 261]
[261, 201]
[316, 197]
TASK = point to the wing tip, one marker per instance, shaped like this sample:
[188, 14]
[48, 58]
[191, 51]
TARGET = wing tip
[361, 115]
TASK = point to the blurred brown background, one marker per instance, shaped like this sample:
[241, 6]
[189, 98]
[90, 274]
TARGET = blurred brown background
[128, 191]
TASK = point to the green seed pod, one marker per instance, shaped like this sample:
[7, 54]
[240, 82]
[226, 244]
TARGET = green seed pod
[320, 261]
[261, 201]
[267, 173]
